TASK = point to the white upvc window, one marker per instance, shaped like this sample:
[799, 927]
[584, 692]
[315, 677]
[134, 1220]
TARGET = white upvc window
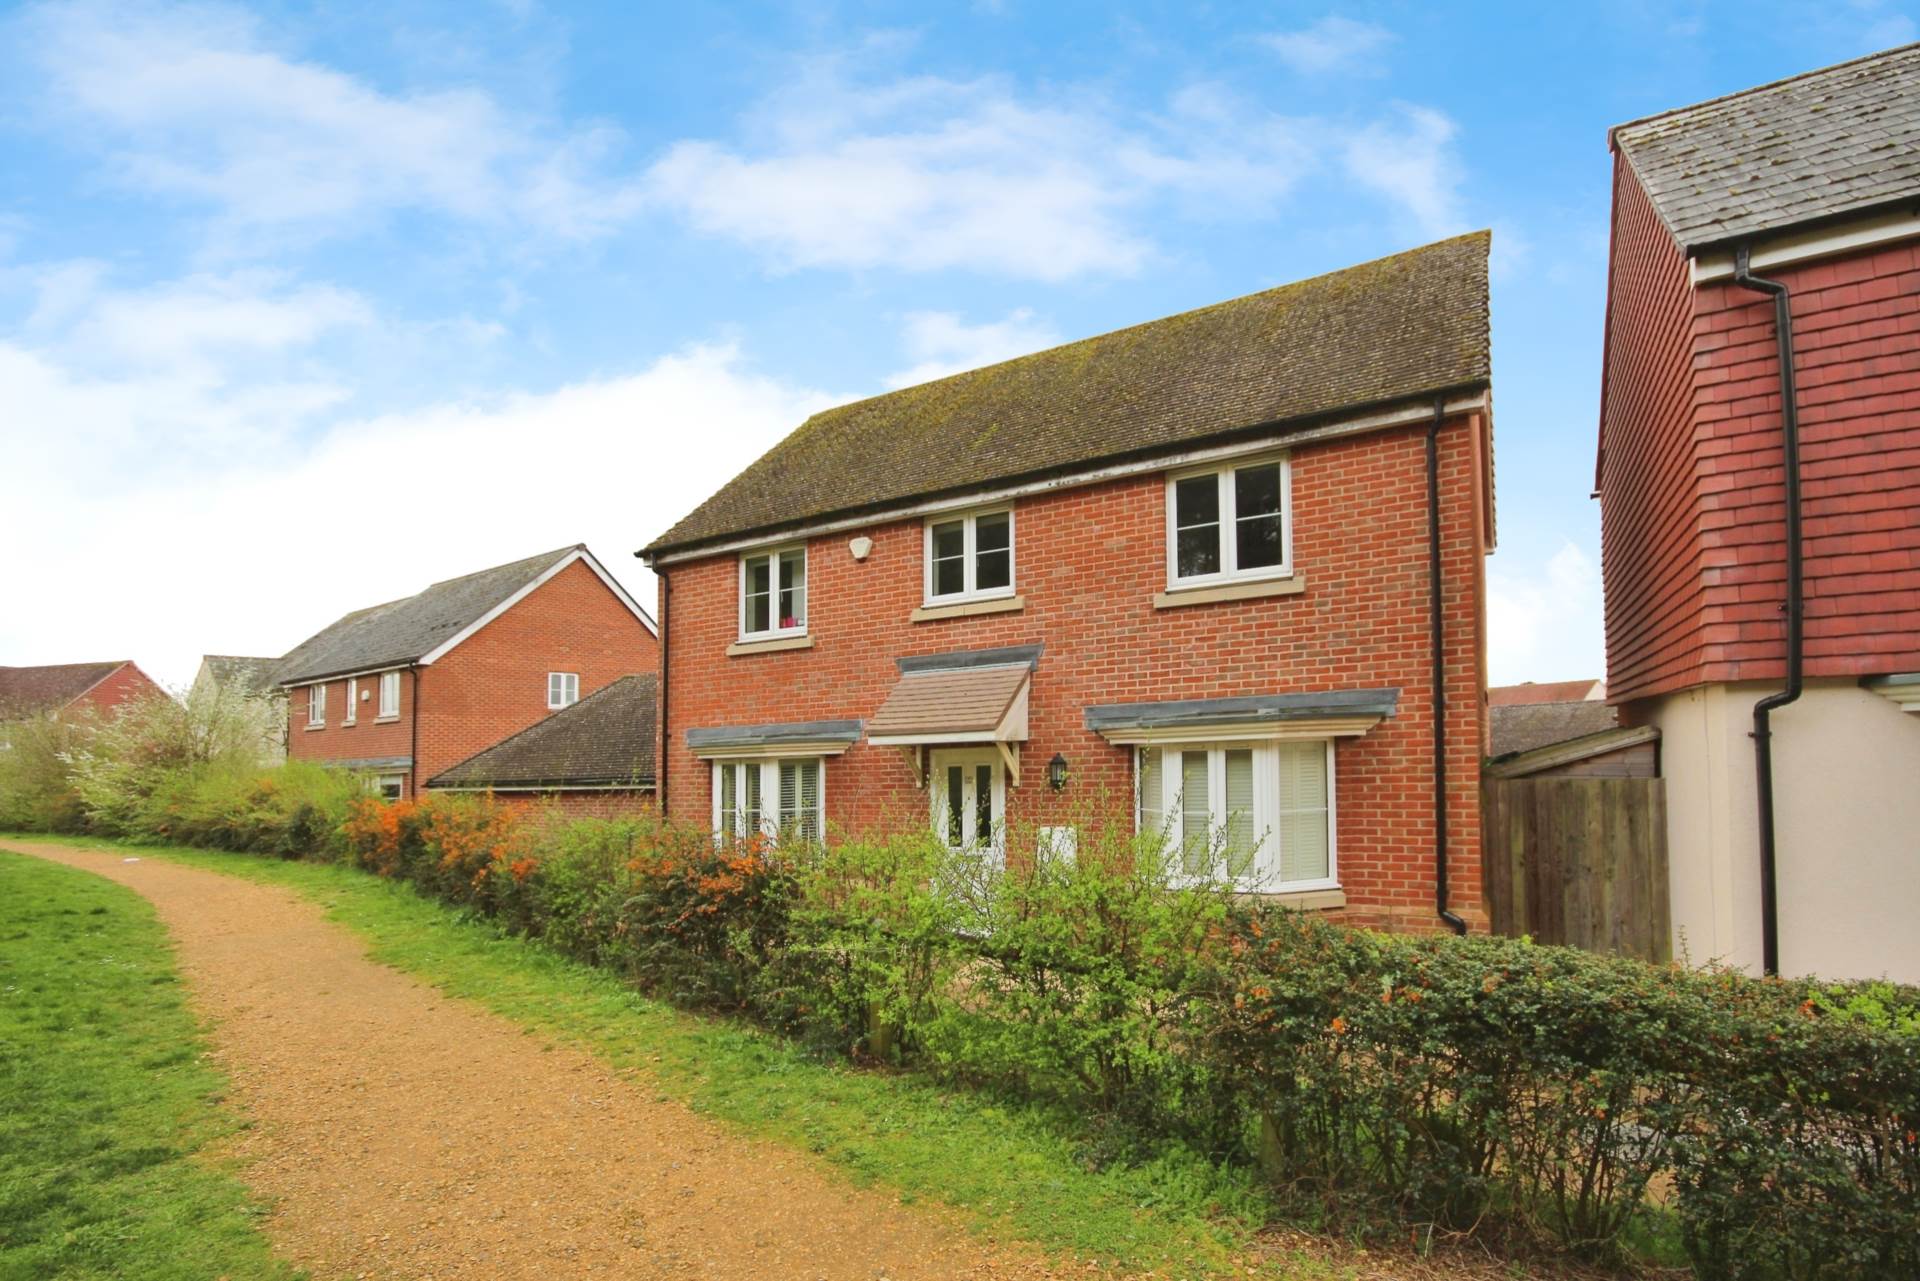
[1258, 815]
[316, 705]
[390, 786]
[389, 695]
[1228, 524]
[353, 695]
[773, 593]
[563, 689]
[778, 799]
[969, 557]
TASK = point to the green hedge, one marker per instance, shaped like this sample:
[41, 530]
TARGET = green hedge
[1541, 1096]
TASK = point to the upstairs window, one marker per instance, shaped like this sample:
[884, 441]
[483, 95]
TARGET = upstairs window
[1230, 523]
[316, 705]
[969, 557]
[563, 689]
[389, 694]
[773, 594]
[353, 693]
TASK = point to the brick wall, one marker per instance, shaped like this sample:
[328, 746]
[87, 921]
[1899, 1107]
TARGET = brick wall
[125, 684]
[1088, 563]
[1692, 477]
[493, 684]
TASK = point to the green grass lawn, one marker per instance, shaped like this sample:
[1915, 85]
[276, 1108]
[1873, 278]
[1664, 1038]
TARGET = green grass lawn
[1014, 1171]
[105, 1098]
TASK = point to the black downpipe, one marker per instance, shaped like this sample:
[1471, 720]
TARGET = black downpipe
[660, 766]
[1439, 673]
[413, 739]
[1795, 606]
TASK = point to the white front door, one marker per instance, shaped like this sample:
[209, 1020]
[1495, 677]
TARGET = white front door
[969, 791]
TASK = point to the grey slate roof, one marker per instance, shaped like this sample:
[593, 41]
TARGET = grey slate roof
[1836, 141]
[249, 675]
[1523, 727]
[403, 631]
[1006, 656]
[1384, 332]
[1200, 712]
[605, 738]
[738, 736]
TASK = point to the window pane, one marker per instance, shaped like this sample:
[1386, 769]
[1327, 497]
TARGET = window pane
[993, 570]
[808, 820]
[1198, 552]
[1257, 542]
[1152, 817]
[750, 823]
[729, 776]
[1304, 843]
[991, 533]
[1196, 501]
[950, 576]
[793, 589]
[956, 806]
[1196, 827]
[1239, 839]
[759, 594]
[1256, 491]
[789, 798]
[983, 804]
[950, 540]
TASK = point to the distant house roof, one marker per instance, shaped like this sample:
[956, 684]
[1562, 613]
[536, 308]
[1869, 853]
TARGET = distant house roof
[1383, 333]
[35, 691]
[1841, 140]
[1526, 726]
[418, 628]
[603, 740]
[1546, 692]
[249, 675]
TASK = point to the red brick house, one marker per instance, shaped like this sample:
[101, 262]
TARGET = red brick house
[1762, 568]
[1185, 569]
[594, 758]
[64, 688]
[408, 689]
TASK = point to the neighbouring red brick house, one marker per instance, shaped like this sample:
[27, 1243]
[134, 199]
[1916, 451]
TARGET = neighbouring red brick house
[407, 689]
[594, 758]
[1187, 564]
[1813, 183]
[65, 688]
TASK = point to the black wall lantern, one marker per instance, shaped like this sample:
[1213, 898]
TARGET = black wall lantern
[1057, 772]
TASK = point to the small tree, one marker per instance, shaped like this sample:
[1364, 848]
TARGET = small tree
[36, 781]
[122, 760]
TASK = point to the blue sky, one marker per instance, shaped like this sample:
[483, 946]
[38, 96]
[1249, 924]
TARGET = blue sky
[302, 307]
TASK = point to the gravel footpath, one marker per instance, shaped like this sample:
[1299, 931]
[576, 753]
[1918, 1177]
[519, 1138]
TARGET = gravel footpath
[402, 1134]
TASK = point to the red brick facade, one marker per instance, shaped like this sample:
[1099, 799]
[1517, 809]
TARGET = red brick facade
[488, 687]
[1691, 474]
[1088, 563]
[126, 684]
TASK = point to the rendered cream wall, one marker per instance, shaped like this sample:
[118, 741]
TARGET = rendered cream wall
[1847, 814]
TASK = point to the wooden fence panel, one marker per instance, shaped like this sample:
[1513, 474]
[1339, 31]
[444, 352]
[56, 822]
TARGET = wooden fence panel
[1580, 861]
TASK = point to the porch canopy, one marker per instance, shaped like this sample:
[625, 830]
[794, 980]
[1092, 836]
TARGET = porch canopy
[972, 696]
[1341, 713]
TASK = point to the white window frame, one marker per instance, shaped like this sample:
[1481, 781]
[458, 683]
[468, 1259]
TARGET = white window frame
[1264, 878]
[774, 630]
[569, 690]
[969, 557]
[769, 772]
[389, 708]
[317, 705]
[351, 715]
[1229, 571]
[397, 781]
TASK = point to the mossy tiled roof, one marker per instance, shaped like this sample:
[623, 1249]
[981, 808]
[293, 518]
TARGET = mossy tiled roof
[1382, 332]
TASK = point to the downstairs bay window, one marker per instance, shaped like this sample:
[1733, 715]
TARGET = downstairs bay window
[1258, 815]
[779, 799]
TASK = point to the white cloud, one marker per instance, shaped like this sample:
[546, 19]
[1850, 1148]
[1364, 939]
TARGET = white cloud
[1544, 621]
[1411, 160]
[193, 104]
[297, 514]
[1332, 44]
[941, 343]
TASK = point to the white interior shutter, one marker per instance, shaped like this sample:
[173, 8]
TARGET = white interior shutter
[1304, 841]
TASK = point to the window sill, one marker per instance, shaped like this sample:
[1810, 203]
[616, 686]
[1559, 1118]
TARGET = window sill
[312, 725]
[1174, 598]
[348, 724]
[772, 646]
[386, 720]
[968, 609]
[1304, 900]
